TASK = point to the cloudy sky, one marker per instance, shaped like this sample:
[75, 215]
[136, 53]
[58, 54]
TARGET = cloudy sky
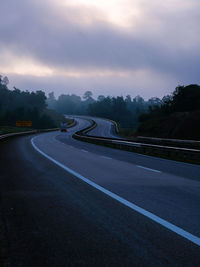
[111, 47]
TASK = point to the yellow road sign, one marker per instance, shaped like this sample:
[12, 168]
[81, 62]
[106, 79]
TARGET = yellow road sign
[23, 123]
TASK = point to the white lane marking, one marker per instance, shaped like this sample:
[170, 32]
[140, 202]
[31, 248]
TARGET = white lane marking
[84, 150]
[104, 157]
[148, 169]
[194, 239]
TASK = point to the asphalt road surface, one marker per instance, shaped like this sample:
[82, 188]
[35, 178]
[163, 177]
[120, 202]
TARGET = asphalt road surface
[104, 128]
[50, 217]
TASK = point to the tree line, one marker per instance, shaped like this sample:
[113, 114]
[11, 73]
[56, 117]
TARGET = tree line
[22, 105]
[134, 113]
[183, 99]
[128, 111]
[177, 117]
[125, 111]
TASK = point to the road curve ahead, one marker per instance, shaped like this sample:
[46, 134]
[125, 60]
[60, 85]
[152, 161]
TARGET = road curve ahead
[104, 128]
[50, 217]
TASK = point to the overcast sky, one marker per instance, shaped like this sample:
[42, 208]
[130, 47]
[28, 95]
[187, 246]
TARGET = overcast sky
[111, 47]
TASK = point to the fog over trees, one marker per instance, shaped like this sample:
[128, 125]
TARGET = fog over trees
[167, 117]
[129, 112]
[126, 110]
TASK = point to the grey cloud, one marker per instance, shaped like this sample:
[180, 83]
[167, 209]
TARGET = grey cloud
[111, 85]
[38, 30]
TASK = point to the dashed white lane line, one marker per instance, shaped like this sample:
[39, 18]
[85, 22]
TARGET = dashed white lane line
[104, 157]
[194, 239]
[148, 169]
[84, 150]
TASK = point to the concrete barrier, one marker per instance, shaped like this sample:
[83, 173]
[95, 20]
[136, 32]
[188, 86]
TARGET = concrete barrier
[10, 135]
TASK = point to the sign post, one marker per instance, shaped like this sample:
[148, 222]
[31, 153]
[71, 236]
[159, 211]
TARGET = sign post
[23, 123]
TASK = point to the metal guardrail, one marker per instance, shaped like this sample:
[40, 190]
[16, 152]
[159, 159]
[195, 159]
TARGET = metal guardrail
[6, 136]
[170, 152]
[169, 142]
[89, 128]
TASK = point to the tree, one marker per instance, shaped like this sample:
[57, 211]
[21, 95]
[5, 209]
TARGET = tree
[51, 101]
[138, 99]
[5, 81]
[155, 101]
[186, 98]
[100, 97]
[128, 99]
[87, 95]
[51, 96]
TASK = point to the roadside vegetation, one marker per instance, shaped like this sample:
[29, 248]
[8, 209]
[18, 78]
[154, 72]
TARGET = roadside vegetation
[178, 117]
[125, 111]
[25, 106]
[174, 116]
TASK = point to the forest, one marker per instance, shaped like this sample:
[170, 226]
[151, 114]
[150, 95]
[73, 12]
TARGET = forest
[23, 105]
[177, 117]
[125, 111]
[174, 116]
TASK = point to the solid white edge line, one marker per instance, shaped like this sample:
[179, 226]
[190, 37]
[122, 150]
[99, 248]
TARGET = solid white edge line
[148, 169]
[104, 157]
[194, 239]
[84, 150]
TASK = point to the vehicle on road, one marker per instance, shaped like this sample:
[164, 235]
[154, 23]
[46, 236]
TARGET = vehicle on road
[63, 127]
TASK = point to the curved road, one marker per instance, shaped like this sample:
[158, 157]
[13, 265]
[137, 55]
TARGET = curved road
[104, 128]
[51, 218]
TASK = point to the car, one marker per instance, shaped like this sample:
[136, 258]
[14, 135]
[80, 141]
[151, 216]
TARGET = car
[63, 127]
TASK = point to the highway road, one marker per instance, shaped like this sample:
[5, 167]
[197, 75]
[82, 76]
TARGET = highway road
[104, 128]
[59, 204]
